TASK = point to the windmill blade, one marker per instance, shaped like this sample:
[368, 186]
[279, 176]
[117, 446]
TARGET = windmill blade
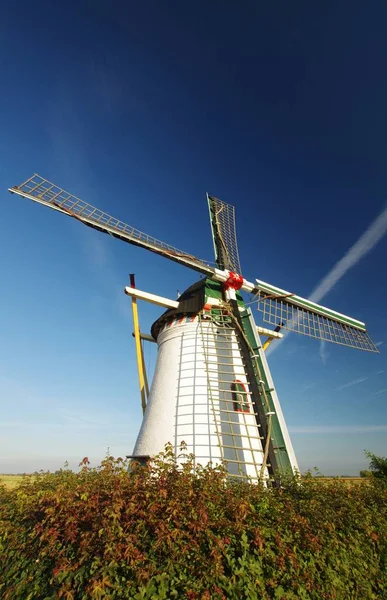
[222, 217]
[44, 192]
[300, 315]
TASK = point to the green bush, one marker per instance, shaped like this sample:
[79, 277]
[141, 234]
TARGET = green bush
[378, 466]
[162, 532]
[365, 473]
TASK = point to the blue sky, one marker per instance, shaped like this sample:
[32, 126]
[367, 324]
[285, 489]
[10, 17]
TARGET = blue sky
[140, 108]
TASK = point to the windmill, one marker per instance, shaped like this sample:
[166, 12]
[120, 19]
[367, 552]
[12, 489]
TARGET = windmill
[212, 387]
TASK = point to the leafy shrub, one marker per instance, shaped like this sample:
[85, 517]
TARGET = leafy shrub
[365, 473]
[164, 532]
[378, 466]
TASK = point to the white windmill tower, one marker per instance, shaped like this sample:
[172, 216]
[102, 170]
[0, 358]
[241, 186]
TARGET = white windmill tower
[212, 387]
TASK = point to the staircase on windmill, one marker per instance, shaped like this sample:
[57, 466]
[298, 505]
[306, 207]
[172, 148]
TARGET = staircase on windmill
[212, 387]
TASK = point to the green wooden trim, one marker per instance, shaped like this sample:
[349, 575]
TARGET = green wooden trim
[214, 289]
[283, 461]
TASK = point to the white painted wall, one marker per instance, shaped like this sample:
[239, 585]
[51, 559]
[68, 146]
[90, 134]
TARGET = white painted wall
[186, 402]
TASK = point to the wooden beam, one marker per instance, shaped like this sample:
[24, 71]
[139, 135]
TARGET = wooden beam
[159, 300]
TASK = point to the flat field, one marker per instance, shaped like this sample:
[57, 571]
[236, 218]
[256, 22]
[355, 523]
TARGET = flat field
[11, 481]
[349, 480]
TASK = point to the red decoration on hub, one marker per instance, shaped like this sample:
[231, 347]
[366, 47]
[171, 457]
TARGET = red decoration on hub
[234, 281]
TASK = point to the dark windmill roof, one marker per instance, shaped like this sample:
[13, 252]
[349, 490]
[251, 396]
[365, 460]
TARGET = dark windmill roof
[190, 302]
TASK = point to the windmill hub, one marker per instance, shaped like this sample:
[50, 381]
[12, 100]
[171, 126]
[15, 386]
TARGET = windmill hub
[234, 281]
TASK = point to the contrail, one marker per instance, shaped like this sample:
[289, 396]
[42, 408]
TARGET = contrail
[366, 242]
[351, 383]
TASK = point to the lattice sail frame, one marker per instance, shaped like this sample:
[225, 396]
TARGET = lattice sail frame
[278, 306]
[45, 192]
[297, 314]
[222, 217]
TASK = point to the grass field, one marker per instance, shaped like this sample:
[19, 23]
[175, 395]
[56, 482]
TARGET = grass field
[348, 480]
[11, 481]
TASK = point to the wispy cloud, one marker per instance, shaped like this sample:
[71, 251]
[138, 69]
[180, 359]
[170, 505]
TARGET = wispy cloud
[75, 418]
[380, 392]
[323, 352]
[70, 148]
[379, 372]
[307, 387]
[352, 383]
[337, 429]
[366, 242]
[95, 250]
[378, 344]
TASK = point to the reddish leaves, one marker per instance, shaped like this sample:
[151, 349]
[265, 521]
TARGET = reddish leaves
[164, 532]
